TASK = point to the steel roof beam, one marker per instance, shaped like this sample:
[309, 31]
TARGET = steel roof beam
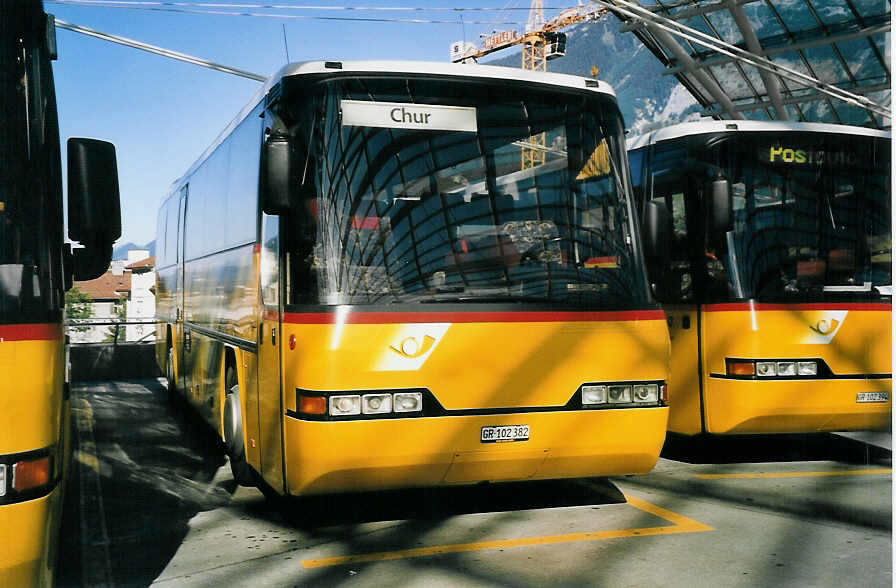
[768, 51]
[682, 56]
[657, 23]
[772, 86]
[793, 100]
[686, 14]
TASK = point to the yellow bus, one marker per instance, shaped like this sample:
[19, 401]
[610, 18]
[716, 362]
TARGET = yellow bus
[396, 274]
[36, 268]
[779, 294]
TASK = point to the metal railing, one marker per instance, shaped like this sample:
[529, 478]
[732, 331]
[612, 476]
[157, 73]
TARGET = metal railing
[74, 326]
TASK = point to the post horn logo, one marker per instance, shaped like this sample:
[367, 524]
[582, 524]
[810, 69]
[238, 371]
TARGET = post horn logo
[412, 349]
[824, 327]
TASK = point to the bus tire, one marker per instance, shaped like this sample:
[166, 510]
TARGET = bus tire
[233, 432]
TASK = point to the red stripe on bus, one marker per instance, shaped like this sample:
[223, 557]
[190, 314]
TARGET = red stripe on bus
[38, 332]
[366, 318]
[879, 306]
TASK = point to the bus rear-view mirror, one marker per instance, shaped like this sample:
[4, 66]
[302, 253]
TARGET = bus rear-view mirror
[94, 209]
[276, 175]
[657, 230]
[721, 214]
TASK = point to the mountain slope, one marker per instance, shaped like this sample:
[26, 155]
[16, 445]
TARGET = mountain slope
[646, 98]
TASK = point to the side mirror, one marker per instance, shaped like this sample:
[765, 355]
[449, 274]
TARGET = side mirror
[721, 207]
[276, 175]
[657, 231]
[94, 209]
[91, 262]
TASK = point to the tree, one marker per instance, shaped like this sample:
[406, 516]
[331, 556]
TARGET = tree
[119, 315]
[77, 306]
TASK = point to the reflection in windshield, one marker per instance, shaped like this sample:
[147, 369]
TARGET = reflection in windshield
[816, 224]
[439, 216]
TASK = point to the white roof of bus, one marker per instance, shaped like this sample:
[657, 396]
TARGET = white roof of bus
[442, 69]
[717, 126]
[401, 67]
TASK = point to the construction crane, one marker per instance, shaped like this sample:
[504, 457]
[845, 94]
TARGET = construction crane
[542, 41]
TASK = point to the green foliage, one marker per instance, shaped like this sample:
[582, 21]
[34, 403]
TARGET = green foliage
[115, 332]
[77, 306]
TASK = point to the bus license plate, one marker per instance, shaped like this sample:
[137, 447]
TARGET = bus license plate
[504, 433]
[873, 397]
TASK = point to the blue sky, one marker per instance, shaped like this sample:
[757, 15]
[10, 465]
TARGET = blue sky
[161, 114]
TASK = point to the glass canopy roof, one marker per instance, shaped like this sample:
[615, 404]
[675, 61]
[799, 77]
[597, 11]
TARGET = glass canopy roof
[844, 43]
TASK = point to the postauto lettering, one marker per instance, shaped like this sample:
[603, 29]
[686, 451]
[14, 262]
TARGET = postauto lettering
[808, 157]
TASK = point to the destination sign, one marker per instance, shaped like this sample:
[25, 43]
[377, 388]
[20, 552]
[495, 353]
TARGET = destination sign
[794, 156]
[400, 115]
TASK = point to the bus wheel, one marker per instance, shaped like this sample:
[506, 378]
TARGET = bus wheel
[233, 432]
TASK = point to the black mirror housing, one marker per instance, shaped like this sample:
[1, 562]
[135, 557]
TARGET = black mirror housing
[94, 209]
[91, 262]
[276, 175]
[657, 231]
[721, 206]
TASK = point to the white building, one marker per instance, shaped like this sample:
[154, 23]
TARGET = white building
[141, 304]
[124, 292]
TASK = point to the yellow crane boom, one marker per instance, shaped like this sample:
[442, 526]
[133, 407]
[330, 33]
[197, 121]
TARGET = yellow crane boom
[541, 41]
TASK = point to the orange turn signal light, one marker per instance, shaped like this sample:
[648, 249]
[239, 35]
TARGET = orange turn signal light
[741, 368]
[28, 474]
[312, 404]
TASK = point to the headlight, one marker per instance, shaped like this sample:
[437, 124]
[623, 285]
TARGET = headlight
[765, 368]
[376, 403]
[619, 394]
[786, 368]
[594, 395]
[644, 393]
[407, 402]
[345, 405]
[807, 368]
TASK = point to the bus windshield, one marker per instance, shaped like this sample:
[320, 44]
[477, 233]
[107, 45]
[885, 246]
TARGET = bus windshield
[523, 197]
[811, 218]
[27, 220]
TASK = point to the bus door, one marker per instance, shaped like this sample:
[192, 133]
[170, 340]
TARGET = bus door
[269, 416]
[182, 340]
[678, 293]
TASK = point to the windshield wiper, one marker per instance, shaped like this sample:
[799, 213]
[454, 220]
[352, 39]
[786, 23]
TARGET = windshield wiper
[866, 287]
[473, 296]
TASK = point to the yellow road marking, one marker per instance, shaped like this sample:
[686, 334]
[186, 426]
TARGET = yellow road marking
[874, 471]
[682, 524]
[96, 567]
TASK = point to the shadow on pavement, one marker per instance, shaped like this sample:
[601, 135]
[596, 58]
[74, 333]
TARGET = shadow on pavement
[156, 467]
[726, 449]
[313, 512]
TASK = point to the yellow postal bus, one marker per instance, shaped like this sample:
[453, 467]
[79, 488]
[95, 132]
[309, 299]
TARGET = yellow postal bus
[779, 294]
[36, 268]
[411, 274]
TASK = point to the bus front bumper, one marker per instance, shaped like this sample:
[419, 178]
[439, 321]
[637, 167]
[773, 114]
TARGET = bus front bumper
[26, 553]
[796, 406]
[325, 457]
